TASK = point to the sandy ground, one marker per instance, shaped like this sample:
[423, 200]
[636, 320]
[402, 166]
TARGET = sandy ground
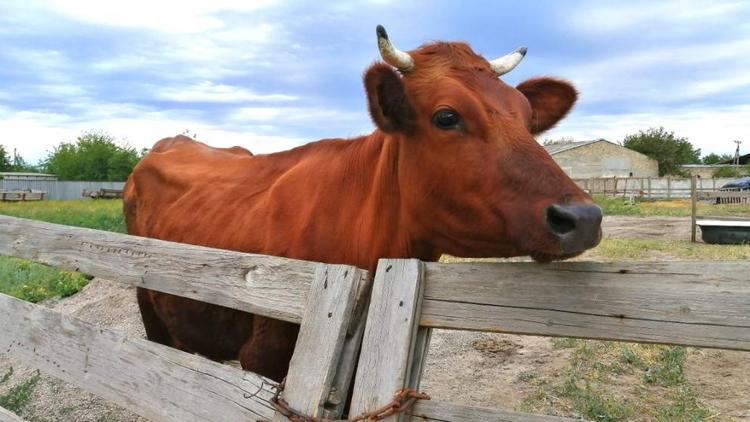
[463, 367]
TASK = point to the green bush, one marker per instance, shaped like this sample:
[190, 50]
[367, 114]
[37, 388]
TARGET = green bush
[727, 171]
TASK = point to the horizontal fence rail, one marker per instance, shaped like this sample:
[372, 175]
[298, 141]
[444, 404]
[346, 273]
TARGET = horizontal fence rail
[265, 285]
[688, 303]
[154, 381]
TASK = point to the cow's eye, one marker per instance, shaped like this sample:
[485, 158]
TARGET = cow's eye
[446, 119]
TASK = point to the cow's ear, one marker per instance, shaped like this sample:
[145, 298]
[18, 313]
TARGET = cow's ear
[386, 97]
[550, 99]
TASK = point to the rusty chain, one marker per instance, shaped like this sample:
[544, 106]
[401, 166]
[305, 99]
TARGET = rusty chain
[402, 400]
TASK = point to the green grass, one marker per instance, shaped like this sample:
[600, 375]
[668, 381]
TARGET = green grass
[35, 282]
[102, 214]
[613, 381]
[673, 208]
[17, 397]
[636, 249]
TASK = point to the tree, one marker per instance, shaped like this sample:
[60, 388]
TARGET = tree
[713, 158]
[666, 148]
[94, 156]
[5, 162]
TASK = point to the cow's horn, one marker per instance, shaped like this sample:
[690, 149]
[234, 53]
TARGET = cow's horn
[392, 55]
[508, 62]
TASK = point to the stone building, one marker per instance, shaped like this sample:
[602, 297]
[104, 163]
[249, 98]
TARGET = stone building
[601, 158]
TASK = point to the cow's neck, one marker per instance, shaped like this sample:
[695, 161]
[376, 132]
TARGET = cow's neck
[383, 228]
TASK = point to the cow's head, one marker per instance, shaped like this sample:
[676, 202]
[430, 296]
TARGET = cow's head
[474, 180]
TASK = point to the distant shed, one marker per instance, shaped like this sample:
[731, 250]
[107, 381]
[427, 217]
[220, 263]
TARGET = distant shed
[601, 158]
[27, 176]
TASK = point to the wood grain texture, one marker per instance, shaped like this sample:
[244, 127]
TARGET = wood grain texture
[390, 335]
[154, 381]
[8, 416]
[327, 317]
[264, 285]
[424, 411]
[701, 304]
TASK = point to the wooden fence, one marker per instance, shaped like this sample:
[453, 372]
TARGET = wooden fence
[649, 187]
[700, 304]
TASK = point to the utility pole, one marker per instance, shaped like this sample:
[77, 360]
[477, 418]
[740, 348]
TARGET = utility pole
[736, 161]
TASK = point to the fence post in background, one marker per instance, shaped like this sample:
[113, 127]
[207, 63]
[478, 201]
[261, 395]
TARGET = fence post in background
[614, 190]
[669, 187]
[713, 183]
[649, 187]
[693, 207]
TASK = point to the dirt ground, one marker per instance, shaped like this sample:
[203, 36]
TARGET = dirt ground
[672, 228]
[463, 367]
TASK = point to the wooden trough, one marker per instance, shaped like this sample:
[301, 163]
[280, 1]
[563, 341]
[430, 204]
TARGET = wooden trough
[720, 230]
[700, 304]
[21, 195]
[102, 193]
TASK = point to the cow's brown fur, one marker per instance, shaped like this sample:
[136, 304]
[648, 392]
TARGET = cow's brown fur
[409, 189]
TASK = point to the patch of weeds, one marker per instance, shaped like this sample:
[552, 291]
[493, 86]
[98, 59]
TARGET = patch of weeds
[591, 402]
[565, 342]
[18, 396]
[628, 356]
[493, 348]
[35, 282]
[684, 407]
[668, 370]
[526, 376]
[6, 376]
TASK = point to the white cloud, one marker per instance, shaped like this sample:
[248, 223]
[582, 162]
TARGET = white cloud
[664, 74]
[711, 130]
[295, 114]
[172, 16]
[32, 134]
[626, 16]
[207, 91]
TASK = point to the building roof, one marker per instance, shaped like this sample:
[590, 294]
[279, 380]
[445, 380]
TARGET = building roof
[744, 159]
[558, 147]
[22, 174]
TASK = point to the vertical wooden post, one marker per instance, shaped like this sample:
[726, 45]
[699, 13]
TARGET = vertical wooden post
[649, 187]
[694, 207]
[614, 190]
[669, 187]
[393, 347]
[327, 318]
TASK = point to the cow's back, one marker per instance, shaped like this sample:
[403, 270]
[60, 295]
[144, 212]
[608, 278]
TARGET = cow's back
[174, 169]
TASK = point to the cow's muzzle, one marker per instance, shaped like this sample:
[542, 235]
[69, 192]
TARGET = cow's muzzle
[576, 226]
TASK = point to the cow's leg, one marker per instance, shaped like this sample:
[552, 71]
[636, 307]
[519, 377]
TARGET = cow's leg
[270, 348]
[155, 329]
[213, 331]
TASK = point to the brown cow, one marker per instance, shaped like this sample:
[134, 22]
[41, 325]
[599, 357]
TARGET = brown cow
[452, 168]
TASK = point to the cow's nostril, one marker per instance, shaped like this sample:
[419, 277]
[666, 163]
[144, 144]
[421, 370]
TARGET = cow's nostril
[559, 220]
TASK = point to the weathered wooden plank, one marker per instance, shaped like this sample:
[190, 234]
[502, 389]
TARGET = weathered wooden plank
[390, 335]
[690, 303]
[8, 416]
[448, 412]
[154, 381]
[328, 313]
[265, 285]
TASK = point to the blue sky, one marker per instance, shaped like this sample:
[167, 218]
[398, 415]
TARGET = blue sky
[270, 75]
